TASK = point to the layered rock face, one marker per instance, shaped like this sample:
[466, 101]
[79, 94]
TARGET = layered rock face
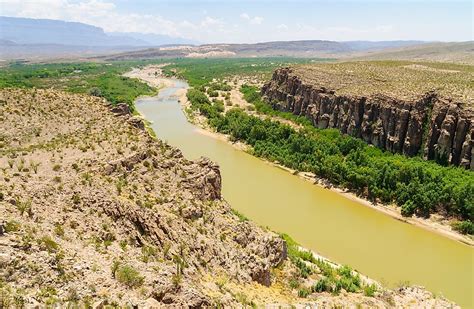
[437, 128]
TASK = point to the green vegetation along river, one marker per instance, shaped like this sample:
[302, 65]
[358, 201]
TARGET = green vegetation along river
[334, 226]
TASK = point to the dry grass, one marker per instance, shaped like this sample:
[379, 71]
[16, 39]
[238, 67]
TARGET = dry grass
[397, 79]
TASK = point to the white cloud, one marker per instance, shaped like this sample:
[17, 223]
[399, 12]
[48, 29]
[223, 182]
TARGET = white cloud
[257, 20]
[209, 21]
[282, 27]
[104, 14]
[57, 9]
[245, 16]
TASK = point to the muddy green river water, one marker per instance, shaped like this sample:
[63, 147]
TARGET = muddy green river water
[330, 224]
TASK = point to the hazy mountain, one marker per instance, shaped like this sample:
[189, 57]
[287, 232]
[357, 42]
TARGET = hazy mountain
[155, 39]
[374, 45]
[12, 50]
[299, 48]
[46, 38]
[48, 31]
[307, 48]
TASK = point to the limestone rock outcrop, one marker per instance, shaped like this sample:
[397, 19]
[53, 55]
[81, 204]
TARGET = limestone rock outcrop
[433, 126]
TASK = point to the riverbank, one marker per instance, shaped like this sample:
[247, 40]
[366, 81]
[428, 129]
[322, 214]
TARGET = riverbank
[433, 224]
[152, 75]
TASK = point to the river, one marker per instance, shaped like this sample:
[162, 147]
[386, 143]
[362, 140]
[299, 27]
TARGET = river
[324, 221]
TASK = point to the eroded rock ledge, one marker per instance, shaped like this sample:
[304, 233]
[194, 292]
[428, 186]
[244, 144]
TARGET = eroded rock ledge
[436, 127]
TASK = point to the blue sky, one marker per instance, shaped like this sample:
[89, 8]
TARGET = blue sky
[248, 21]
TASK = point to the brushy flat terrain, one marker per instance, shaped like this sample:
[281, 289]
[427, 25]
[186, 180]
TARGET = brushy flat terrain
[453, 52]
[99, 79]
[397, 79]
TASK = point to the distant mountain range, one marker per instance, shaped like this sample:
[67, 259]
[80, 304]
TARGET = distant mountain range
[377, 45]
[152, 39]
[46, 31]
[45, 38]
[308, 48]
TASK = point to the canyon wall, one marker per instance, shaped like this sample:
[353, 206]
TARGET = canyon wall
[435, 127]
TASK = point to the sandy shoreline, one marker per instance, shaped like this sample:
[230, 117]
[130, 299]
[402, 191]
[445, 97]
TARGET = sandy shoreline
[392, 211]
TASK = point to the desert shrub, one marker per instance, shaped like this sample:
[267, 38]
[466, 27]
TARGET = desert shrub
[176, 279]
[304, 292]
[12, 226]
[294, 283]
[76, 198]
[75, 167]
[323, 285]
[114, 267]
[34, 166]
[350, 284]
[347, 280]
[149, 253]
[369, 290]
[129, 276]
[120, 184]
[58, 230]
[24, 207]
[123, 244]
[213, 94]
[219, 106]
[464, 227]
[304, 269]
[48, 244]
[96, 92]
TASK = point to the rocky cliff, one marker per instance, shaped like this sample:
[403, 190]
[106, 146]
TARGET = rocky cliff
[92, 208]
[427, 123]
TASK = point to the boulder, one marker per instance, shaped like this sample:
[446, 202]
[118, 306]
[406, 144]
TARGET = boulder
[121, 109]
[152, 303]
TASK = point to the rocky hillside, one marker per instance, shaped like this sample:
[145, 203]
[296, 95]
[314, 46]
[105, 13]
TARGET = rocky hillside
[95, 211]
[403, 107]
